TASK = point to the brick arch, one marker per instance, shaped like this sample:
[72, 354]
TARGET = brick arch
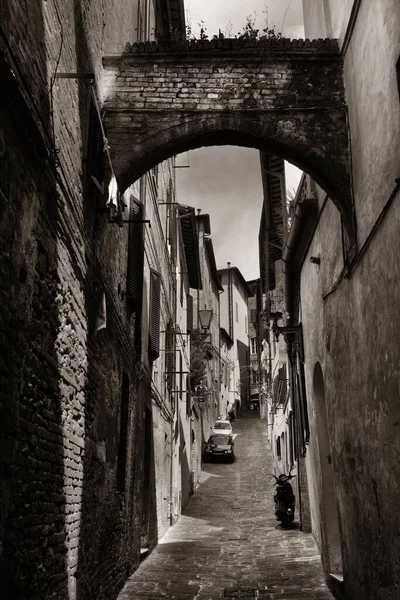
[282, 97]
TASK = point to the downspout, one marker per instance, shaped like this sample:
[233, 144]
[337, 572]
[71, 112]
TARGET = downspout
[292, 259]
[219, 352]
[230, 301]
[174, 398]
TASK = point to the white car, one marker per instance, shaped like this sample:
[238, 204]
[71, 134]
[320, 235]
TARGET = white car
[222, 426]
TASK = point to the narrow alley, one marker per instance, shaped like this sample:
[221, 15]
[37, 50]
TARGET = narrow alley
[226, 543]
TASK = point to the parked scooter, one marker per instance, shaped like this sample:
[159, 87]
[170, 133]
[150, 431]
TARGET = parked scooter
[284, 499]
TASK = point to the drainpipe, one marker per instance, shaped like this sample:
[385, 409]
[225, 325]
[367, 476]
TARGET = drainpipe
[230, 301]
[297, 244]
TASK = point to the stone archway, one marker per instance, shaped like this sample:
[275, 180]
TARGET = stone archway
[328, 502]
[281, 96]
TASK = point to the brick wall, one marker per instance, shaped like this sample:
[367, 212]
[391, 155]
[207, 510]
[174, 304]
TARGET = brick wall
[68, 528]
[284, 96]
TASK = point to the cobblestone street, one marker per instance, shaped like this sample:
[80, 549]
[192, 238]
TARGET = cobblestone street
[227, 543]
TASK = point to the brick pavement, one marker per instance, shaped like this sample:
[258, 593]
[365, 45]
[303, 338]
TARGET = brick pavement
[228, 538]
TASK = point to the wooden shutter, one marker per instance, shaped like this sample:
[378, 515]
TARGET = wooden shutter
[172, 223]
[188, 397]
[169, 355]
[180, 374]
[154, 316]
[135, 254]
[189, 313]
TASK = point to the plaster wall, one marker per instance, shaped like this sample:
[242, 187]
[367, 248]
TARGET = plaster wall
[240, 348]
[372, 95]
[326, 18]
[227, 395]
[315, 281]
[349, 329]
[353, 327]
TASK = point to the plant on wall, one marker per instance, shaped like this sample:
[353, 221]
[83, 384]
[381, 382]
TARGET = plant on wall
[249, 31]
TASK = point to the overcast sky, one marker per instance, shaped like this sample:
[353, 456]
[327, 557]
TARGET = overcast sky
[225, 181]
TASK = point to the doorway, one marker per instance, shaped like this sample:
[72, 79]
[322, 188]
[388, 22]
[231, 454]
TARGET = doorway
[330, 518]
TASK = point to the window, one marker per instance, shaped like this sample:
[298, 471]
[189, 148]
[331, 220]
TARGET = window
[154, 315]
[135, 254]
[142, 31]
[253, 346]
[291, 439]
[181, 286]
[245, 324]
[123, 434]
[180, 375]
[188, 397]
[278, 447]
[237, 312]
[253, 315]
[189, 314]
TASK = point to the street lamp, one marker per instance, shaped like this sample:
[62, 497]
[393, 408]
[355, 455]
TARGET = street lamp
[205, 317]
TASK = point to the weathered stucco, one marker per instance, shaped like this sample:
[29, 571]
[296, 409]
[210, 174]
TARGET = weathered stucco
[351, 333]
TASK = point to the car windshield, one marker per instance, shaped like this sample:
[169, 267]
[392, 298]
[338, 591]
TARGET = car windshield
[222, 425]
[220, 440]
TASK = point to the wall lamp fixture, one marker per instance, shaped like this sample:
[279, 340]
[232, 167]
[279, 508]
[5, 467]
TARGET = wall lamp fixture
[293, 335]
[205, 317]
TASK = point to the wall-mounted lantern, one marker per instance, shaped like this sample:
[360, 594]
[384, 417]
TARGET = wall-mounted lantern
[205, 317]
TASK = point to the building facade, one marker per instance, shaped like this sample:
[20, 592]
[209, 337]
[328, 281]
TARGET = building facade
[89, 457]
[255, 343]
[227, 370]
[205, 355]
[234, 319]
[339, 319]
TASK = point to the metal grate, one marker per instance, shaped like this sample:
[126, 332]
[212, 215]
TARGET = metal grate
[240, 593]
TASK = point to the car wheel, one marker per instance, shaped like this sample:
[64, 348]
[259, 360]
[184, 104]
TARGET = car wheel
[232, 459]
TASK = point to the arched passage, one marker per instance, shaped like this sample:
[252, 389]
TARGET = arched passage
[328, 496]
[286, 99]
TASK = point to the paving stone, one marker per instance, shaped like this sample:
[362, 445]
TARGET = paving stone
[228, 538]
